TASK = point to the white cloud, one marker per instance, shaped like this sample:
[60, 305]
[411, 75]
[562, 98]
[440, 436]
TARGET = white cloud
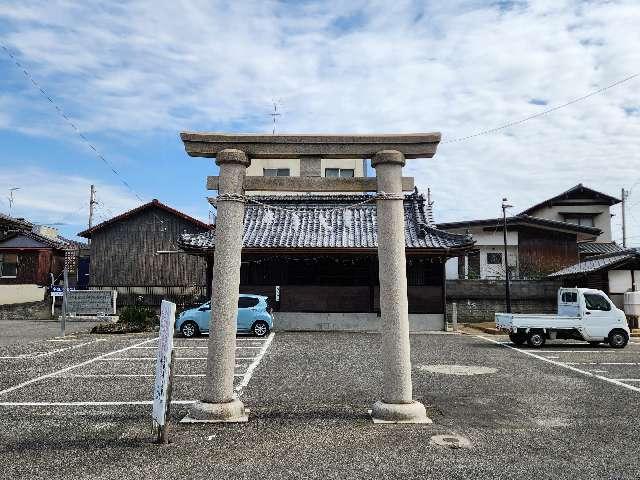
[458, 67]
[48, 198]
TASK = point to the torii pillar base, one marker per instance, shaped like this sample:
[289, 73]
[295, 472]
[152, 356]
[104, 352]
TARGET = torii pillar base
[229, 412]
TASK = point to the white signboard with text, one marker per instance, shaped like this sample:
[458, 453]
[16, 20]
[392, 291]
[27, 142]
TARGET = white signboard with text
[163, 361]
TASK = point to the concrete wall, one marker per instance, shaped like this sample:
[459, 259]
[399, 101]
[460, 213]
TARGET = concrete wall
[478, 300]
[12, 294]
[358, 322]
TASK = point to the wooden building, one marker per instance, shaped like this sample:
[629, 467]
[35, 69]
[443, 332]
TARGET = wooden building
[317, 262]
[136, 254]
[614, 273]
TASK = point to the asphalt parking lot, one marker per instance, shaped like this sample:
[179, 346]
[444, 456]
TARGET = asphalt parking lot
[83, 411]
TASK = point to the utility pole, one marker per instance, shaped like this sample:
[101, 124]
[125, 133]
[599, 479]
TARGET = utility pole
[625, 193]
[507, 282]
[92, 202]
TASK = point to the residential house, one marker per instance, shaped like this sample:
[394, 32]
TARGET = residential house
[135, 253]
[31, 259]
[540, 240]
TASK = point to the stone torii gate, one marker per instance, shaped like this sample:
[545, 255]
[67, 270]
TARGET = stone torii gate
[233, 154]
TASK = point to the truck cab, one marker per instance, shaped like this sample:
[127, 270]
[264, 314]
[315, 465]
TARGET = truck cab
[583, 314]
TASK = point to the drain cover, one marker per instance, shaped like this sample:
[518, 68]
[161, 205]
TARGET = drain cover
[457, 369]
[451, 441]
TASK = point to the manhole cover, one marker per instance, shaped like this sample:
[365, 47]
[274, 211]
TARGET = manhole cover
[451, 441]
[457, 369]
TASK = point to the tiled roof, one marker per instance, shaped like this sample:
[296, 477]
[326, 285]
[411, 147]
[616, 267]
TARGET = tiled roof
[598, 263]
[154, 203]
[522, 219]
[593, 248]
[20, 223]
[601, 198]
[308, 222]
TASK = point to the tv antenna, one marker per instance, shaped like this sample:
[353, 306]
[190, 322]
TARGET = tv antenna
[11, 199]
[275, 114]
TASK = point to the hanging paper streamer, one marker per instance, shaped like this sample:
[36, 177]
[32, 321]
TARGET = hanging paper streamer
[267, 217]
[324, 224]
[295, 221]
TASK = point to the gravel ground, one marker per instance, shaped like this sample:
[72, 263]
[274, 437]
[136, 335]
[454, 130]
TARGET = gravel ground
[524, 418]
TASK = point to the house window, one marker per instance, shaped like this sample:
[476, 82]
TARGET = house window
[338, 172]
[8, 265]
[275, 172]
[583, 221]
[494, 258]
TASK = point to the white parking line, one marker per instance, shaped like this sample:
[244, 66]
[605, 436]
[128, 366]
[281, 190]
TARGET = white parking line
[29, 356]
[132, 375]
[92, 404]
[63, 370]
[564, 365]
[254, 364]
[627, 379]
[601, 363]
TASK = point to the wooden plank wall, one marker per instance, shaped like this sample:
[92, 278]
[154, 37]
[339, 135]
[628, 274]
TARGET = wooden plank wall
[125, 253]
[541, 252]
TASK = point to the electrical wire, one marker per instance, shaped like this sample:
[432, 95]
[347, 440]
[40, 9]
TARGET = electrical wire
[70, 122]
[545, 112]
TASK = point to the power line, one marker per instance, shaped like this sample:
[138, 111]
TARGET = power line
[545, 112]
[70, 122]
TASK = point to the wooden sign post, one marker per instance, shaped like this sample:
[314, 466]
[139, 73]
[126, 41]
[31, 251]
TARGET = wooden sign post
[164, 371]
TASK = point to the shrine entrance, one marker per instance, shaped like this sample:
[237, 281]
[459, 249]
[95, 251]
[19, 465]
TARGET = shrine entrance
[233, 154]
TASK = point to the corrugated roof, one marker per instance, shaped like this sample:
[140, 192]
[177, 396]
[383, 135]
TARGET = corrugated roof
[598, 263]
[593, 248]
[154, 203]
[59, 243]
[310, 221]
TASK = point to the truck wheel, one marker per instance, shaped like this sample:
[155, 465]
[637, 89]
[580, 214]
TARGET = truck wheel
[518, 338]
[618, 339]
[536, 339]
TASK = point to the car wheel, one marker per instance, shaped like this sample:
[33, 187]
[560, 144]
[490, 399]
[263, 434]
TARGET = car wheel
[536, 339]
[189, 329]
[618, 339]
[260, 328]
[518, 338]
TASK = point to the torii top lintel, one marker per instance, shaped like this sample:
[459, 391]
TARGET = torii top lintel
[412, 145]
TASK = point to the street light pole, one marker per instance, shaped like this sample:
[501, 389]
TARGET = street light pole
[507, 283]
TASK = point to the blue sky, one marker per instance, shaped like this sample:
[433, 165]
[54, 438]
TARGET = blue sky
[133, 75]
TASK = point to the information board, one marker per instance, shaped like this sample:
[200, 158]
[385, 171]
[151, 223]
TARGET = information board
[163, 361]
[90, 302]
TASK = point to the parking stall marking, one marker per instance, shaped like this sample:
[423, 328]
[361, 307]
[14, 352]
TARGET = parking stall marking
[29, 356]
[563, 365]
[69, 368]
[245, 367]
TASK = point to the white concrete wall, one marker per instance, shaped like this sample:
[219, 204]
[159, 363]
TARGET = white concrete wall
[257, 166]
[11, 294]
[620, 280]
[358, 322]
[356, 164]
[601, 221]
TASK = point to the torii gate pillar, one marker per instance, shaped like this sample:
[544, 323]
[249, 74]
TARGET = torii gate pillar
[233, 154]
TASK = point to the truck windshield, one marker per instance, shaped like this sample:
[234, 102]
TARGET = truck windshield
[596, 302]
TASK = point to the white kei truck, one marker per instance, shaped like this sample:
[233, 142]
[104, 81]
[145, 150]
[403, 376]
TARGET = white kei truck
[583, 314]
